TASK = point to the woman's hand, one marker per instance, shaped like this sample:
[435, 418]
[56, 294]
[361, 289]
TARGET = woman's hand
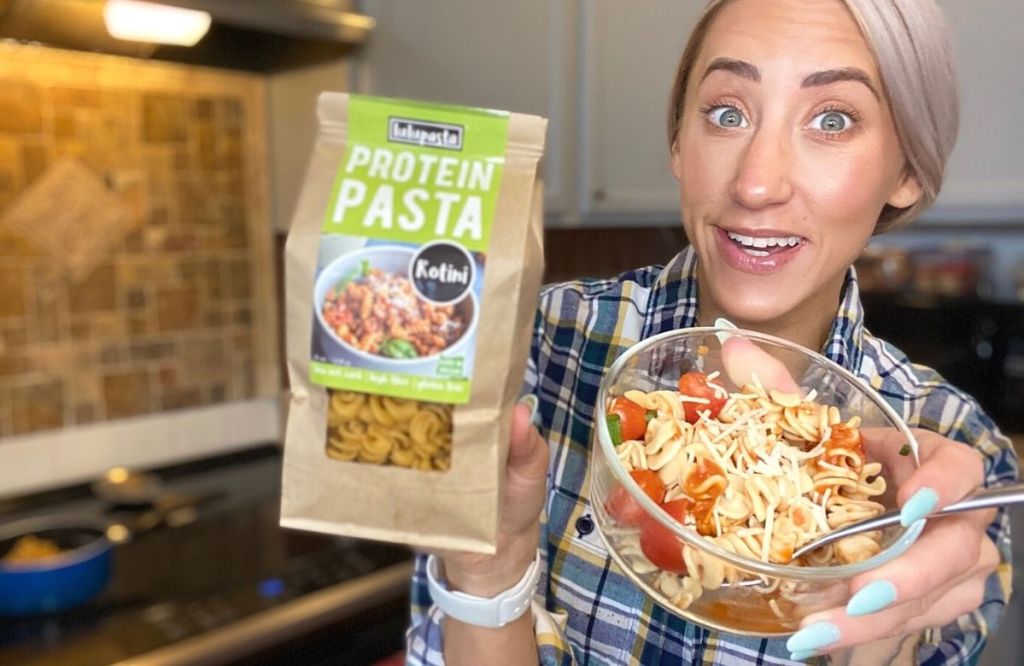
[519, 523]
[941, 576]
[489, 575]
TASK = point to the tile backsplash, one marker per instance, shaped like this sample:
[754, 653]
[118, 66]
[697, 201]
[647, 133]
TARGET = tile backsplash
[135, 270]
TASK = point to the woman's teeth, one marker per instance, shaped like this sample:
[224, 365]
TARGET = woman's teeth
[758, 246]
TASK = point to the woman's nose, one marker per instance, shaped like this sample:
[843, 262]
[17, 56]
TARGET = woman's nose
[763, 173]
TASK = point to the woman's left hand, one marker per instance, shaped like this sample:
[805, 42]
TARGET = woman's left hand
[940, 577]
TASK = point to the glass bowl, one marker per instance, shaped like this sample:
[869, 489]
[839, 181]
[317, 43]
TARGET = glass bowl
[724, 587]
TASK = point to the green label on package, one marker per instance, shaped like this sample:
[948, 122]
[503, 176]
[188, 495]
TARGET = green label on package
[403, 249]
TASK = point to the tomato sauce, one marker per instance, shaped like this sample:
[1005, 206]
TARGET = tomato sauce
[701, 472]
[844, 438]
[752, 617]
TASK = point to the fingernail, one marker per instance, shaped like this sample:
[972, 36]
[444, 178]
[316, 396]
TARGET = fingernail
[801, 655]
[530, 400]
[871, 598]
[813, 637]
[722, 322]
[918, 506]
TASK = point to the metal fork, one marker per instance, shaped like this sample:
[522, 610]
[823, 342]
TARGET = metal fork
[988, 498]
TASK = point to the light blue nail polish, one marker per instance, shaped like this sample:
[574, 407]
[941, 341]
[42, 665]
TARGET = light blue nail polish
[802, 655]
[918, 506]
[871, 598]
[813, 637]
[722, 322]
[530, 400]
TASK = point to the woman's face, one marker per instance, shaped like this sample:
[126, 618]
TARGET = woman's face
[785, 157]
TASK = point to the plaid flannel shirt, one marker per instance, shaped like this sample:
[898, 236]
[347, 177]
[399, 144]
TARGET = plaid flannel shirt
[581, 328]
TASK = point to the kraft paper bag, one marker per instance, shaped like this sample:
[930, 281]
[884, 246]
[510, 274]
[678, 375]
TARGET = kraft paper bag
[413, 265]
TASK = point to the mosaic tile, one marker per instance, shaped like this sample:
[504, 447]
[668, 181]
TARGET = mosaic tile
[126, 394]
[163, 119]
[176, 309]
[125, 252]
[180, 399]
[149, 351]
[35, 158]
[98, 291]
[12, 292]
[69, 212]
[22, 107]
[37, 407]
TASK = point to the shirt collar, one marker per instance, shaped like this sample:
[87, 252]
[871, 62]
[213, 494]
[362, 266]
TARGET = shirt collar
[673, 305]
[673, 301]
[845, 342]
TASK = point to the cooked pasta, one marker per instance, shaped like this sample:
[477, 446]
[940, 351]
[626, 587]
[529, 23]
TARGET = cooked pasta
[388, 431]
[380, 313]
[766, 474]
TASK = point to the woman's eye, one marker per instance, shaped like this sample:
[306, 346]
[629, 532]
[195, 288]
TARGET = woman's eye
[832, 122]
[727, 116]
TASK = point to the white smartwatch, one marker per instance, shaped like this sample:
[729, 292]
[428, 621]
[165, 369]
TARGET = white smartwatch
[494, 612]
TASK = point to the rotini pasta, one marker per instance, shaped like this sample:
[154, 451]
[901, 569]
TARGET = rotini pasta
[761, 472]
[388, 431]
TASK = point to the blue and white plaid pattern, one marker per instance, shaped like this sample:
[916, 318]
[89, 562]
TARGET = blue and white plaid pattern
[581, 328]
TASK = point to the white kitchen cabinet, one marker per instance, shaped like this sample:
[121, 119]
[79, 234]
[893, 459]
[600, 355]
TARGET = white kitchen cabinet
[985, 176]
[602, 70]
[629, 55]
[519, 56]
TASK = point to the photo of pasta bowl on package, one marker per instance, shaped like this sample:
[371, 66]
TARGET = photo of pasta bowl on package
[719, 452]
[369, 312]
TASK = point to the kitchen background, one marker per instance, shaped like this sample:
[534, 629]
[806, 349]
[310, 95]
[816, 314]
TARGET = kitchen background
[145, 194]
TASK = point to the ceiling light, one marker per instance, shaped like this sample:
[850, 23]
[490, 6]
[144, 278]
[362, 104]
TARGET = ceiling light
[135, 21]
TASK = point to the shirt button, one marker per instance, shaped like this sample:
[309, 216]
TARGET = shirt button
[584, 525]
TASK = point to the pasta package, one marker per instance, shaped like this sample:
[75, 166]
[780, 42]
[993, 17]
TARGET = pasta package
[413, 265]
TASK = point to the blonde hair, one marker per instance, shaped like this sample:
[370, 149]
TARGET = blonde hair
[911, 43]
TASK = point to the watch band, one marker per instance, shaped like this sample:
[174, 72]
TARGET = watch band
[495, 612]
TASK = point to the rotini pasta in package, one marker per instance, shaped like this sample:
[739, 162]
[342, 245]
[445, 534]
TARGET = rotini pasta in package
[412, 268]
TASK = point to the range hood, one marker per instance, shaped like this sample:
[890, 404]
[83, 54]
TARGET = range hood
[252, 35]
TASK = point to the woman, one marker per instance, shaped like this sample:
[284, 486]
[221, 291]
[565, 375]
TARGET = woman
[797, 129]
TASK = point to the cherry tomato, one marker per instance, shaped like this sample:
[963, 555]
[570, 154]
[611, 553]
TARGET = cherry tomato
[624, 509]
[695, 385]
[659, 545]
[632, 418]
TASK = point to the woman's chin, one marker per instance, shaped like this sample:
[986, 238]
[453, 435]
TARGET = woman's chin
[753, 312]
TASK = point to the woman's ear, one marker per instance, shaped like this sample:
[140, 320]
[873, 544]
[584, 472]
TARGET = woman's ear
[676, 162]
[908, 191]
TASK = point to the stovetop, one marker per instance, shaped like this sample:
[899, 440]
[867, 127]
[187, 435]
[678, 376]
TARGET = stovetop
[232, 566]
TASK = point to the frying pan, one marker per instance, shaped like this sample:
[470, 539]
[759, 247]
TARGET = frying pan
[78, 573]
[82, 568]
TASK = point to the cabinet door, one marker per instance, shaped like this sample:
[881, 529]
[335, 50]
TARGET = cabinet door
[985, 176]
[518, 56]
[629, 56]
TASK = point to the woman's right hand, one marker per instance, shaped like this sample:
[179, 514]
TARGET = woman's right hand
[519, 522]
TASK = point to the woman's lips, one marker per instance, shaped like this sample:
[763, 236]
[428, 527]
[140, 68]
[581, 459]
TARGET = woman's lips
[737, 257]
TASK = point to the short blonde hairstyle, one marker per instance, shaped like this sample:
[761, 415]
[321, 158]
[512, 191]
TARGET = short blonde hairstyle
[911, 44]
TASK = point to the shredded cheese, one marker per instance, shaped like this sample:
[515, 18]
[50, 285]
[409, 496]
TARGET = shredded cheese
[769, 525]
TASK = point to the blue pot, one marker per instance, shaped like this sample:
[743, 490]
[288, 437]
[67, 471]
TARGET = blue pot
[57, 583]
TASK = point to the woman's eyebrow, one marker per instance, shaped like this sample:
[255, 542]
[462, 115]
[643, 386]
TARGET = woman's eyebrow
[829, 76]
[823, 78]
[737, 67]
